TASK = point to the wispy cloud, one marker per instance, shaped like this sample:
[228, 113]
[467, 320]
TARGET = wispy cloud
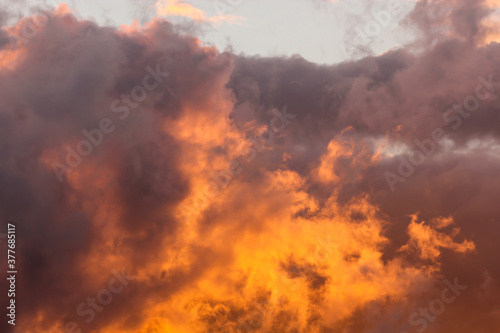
[183, 9]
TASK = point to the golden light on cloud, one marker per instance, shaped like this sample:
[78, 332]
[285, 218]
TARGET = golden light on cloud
[183, 9]
[428, 240]
[180, 8]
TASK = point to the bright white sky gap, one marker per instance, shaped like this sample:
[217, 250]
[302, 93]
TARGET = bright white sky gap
[317, 30]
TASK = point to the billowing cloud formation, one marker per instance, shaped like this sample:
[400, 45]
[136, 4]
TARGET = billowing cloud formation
[160, 186]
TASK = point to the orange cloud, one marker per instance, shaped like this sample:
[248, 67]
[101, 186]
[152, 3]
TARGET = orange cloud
[305, 238]
[180, 8]
[428, 240]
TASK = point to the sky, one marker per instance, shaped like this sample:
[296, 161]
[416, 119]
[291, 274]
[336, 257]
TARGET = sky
[245, 166]
[315, 30]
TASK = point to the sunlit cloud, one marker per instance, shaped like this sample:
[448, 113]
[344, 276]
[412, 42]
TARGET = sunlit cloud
[182, 9]
[228, 193]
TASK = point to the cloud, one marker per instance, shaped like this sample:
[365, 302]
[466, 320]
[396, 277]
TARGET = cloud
[305, 234]
[427, 240]
[182, 9]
